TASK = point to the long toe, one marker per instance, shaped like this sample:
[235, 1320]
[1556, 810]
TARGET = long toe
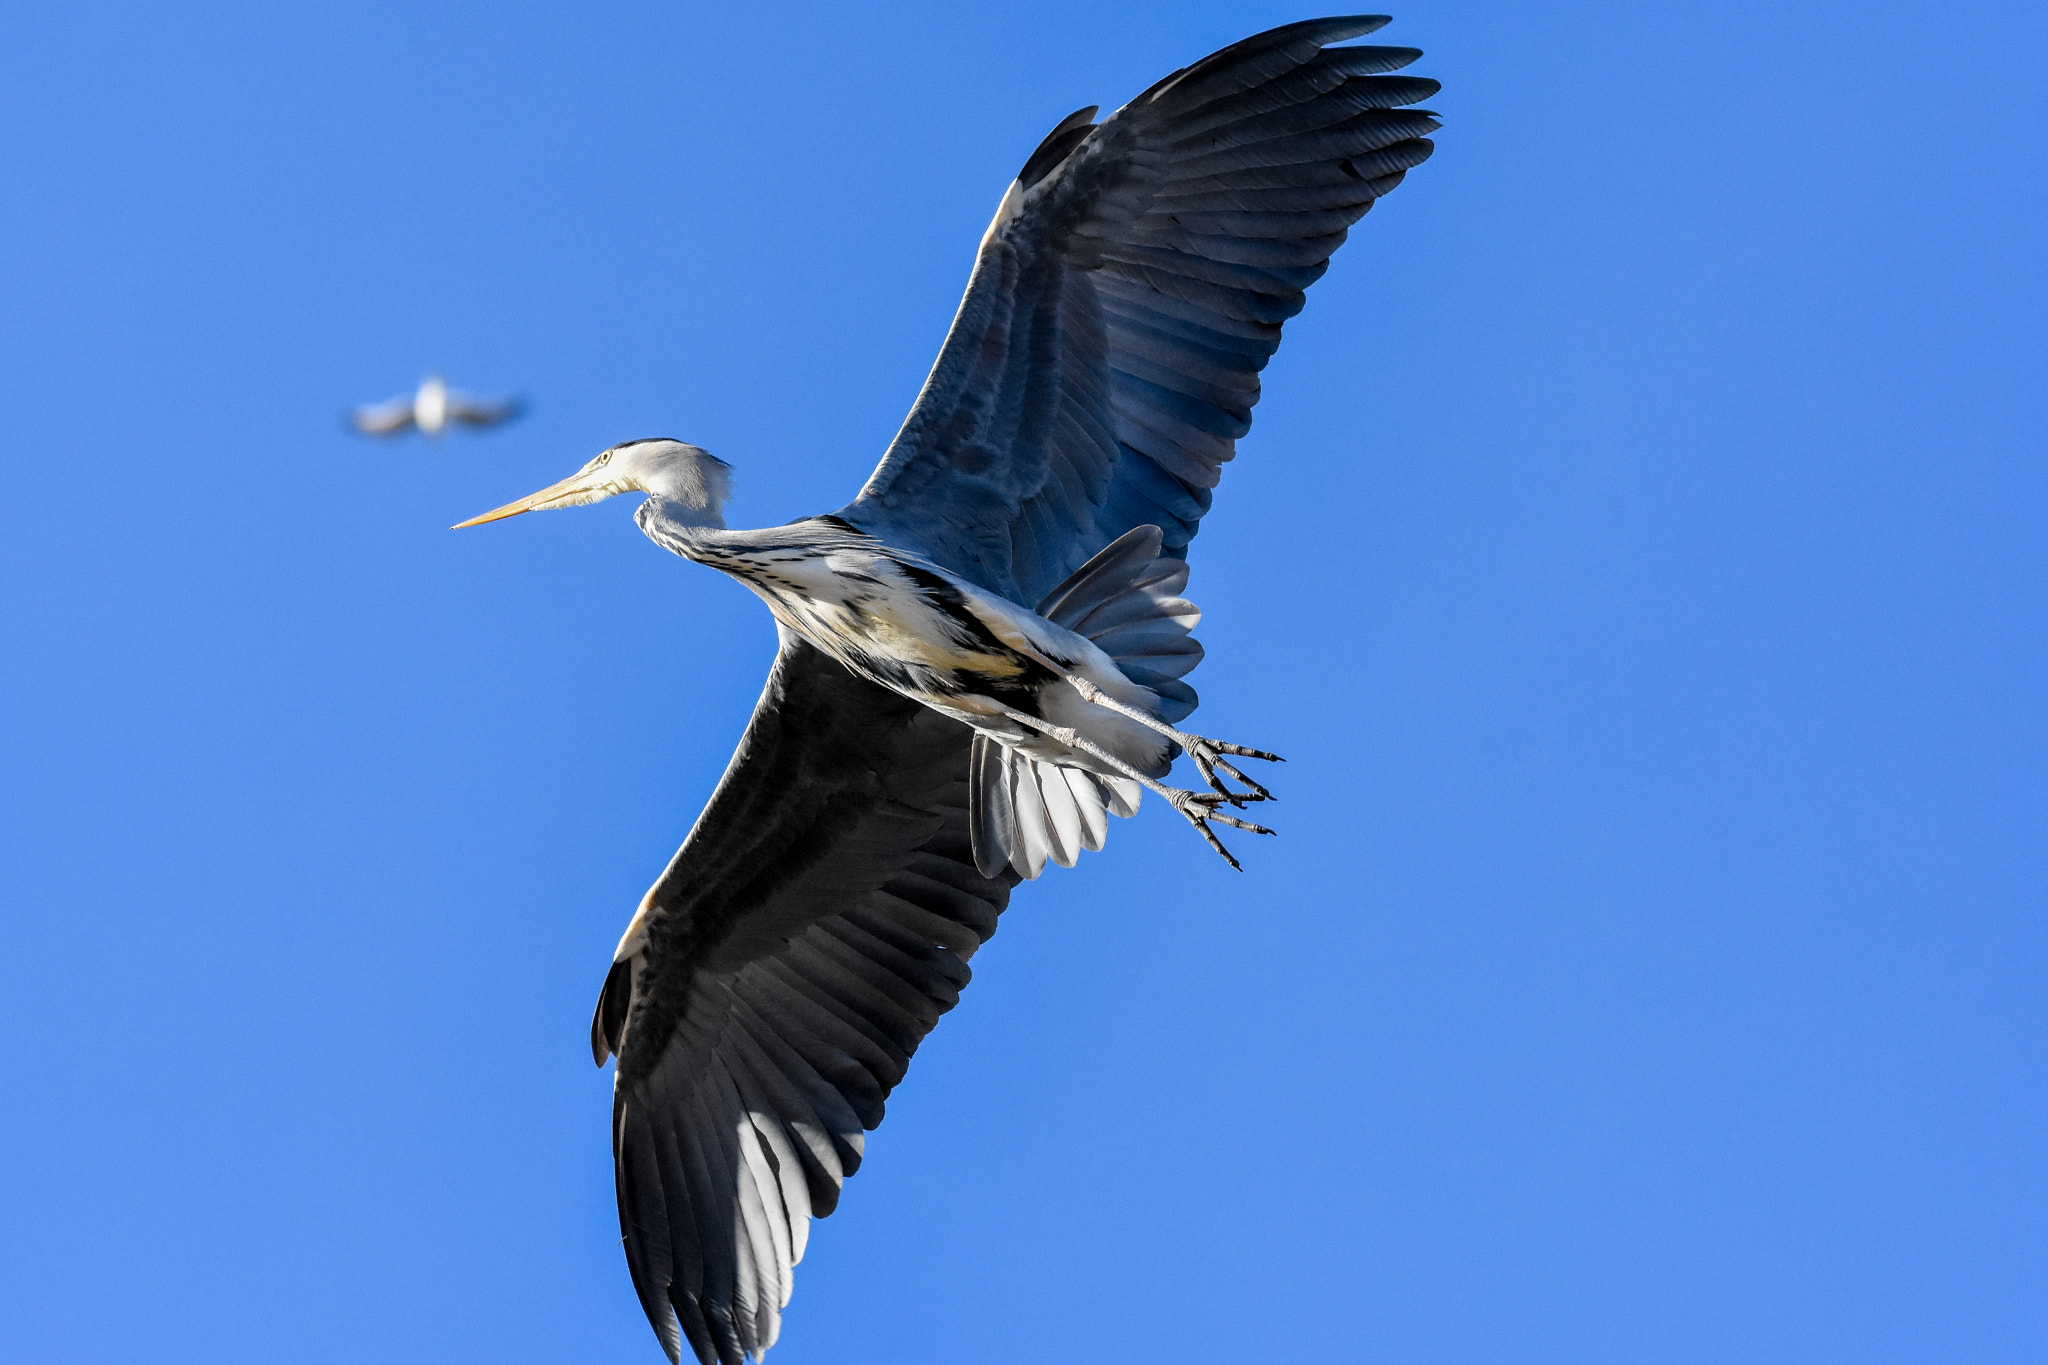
[1236, 823]
[1208, 757]
[1258, 791]
[1202, 828]
[1239, 751]
[1202, 807]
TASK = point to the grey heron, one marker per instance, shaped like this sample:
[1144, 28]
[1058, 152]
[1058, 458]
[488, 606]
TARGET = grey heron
[981, 656]
[432, 407]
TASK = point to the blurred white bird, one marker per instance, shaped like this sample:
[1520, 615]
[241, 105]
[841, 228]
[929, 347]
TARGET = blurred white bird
[431, 408]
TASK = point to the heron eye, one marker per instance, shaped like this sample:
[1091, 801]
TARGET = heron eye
[605, 458]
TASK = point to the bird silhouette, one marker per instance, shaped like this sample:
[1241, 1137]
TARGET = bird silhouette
[432, 408]
[982, 655]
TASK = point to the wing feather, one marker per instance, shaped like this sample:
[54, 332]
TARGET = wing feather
[483, 412]
[383, 419]
[799, 947]
[1139, 273]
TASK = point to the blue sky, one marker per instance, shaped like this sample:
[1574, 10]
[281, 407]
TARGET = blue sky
[1638, 556]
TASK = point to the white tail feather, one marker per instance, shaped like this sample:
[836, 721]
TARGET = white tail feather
[1089, 805]
[1023, 812]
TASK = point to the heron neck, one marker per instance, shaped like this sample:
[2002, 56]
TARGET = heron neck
[679, 527]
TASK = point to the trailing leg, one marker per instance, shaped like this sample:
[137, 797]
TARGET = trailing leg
[1207, 753]
[1198, 807]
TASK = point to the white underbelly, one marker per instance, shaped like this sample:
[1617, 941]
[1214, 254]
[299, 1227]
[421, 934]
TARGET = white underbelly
[898, 639]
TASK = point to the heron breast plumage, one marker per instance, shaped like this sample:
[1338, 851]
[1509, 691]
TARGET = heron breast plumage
[885, 615]
[925, 633]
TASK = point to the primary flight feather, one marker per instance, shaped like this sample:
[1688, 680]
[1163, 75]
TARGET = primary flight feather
[982, 656]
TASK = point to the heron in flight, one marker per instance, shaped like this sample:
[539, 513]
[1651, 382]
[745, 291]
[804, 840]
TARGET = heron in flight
[982, 655]
[432, 407]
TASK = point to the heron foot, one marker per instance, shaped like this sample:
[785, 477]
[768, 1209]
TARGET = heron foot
[1202, 807]
[1208, 755]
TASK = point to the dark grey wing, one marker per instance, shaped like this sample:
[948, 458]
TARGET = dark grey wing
[383, 419]
[812, 929]
[483, 412]
[1133, 284]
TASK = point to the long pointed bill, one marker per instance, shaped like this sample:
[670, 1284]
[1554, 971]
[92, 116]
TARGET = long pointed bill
[563, 494]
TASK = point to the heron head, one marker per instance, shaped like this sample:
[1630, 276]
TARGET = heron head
[694, 481]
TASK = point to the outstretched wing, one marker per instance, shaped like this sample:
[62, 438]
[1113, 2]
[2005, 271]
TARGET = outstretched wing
[770, 993]
[1133, 284]
[383, 419]
[482, 412]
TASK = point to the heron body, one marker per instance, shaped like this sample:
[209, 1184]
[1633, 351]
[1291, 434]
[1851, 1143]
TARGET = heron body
[907, 624]
[981, 657]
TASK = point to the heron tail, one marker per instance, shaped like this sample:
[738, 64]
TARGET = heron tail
[1025, 813]
[1127, 601]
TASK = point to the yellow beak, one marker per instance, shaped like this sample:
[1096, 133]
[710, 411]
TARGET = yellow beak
[553, 494]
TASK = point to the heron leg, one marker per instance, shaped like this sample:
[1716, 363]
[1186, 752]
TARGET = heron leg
[1207, 753]
[1198, 807]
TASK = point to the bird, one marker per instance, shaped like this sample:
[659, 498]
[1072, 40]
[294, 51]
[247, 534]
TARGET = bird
[979, 658]
[432, 407]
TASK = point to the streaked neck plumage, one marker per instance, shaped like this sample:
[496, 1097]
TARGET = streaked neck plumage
[674, 525]
[694, 534]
